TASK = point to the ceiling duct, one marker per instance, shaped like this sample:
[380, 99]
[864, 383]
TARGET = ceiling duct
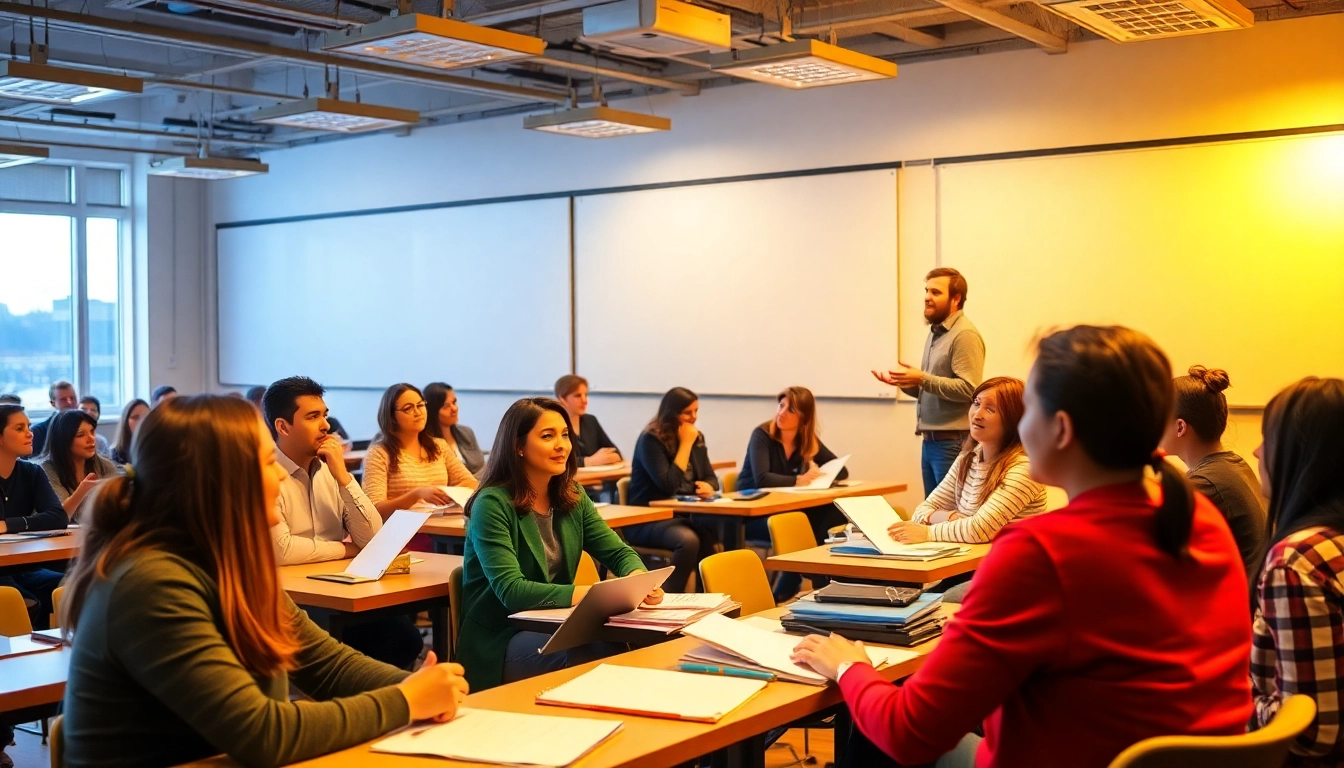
[655, 28]
[1127, 21]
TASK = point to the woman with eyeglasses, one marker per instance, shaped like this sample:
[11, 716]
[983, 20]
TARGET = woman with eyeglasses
[405, 464]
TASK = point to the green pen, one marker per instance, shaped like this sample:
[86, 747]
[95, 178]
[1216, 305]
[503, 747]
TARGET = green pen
[711, 669]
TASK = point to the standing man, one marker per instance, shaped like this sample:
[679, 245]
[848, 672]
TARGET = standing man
[63, 398]
[954, 365]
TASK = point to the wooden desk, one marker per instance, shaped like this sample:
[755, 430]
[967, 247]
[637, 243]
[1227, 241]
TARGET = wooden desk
[31, 686]
[39, 550]
[354, 460]
[617, 516]
[643, 742]
[335, 606]
[819, 561]
[614, 472]
[772, 504]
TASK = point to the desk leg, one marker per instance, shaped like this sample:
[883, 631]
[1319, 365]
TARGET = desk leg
[438, 622]
[748, 753]
[734, 533]
[844, 730]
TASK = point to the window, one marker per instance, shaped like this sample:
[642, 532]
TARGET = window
[63, 293]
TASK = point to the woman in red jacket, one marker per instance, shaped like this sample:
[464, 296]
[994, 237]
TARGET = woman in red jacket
[1119, 617]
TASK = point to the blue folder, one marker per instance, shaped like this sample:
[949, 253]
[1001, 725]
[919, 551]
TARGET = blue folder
[866, 614]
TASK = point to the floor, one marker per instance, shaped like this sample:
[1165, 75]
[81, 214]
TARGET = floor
[29, 752]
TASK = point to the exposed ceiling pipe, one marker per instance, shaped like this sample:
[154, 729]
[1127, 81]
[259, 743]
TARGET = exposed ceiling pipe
[554, 60]
[124, 131]
[100, 147]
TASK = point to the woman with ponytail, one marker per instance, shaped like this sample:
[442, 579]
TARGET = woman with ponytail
[1298, 646]
[184, 645]
[1114, 619]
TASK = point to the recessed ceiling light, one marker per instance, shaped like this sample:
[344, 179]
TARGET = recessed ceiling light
[333, 115]
[209, 168]
[15, 154]
[430, 41]
[1126, 21]
[803, 64]
[596, 122]
[30, 81]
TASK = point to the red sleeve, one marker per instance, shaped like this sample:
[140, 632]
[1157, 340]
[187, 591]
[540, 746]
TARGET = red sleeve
[1010, 624]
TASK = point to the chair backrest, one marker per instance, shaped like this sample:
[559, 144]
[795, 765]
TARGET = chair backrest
[56, 595]
[586, 576]
[1259, 749]
[790, 532]
[454, 607]
[729, 481]
[622, 490]
[55, 744]
[740, 574]
[14, 618]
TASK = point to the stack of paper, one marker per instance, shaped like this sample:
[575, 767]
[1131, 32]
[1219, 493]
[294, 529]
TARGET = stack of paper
[487, 736]
[653, 693]
[675, 612]
[907, 625]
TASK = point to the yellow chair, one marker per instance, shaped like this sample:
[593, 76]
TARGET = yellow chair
[790, 532]
[622, 490]
[729, 482]
[56, 595]
[740, 574]
[14, 618]
[57, 748]
[586, 576]
[454, 609]
[1265, 748]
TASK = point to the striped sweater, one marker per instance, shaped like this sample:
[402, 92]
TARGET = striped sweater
[1017, 496]
[413, 471]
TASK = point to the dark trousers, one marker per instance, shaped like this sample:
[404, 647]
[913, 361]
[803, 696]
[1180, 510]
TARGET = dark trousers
[935, 459]
[822, 519]
[34, 584]
[689, 541]
[522, 658]
[862, 753]
[393, 641]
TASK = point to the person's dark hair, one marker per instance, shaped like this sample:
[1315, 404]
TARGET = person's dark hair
[11, 399]
[54, 388]
[160, 391]
[508, 470]
[7, 410]
[197, 493]
[1200, 401]
[255, 394]
[568, 384]
[64, 426]
[387, 427]
[1115, 385]
[281, 399]
[85, 400]
[664, 426]
[436, 396]
[956, 284]
[121, 450]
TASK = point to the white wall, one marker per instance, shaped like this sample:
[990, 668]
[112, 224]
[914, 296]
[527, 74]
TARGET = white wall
[1277, 75]
[179, 283]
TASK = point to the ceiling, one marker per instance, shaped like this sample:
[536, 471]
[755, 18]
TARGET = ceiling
[209, 64]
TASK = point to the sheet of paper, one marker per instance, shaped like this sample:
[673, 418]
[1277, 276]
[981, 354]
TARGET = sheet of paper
[677, 600]
[829, 471]
[656, 692]
[873, 516]
[459, 494]
[881, 655]
[554, 615]
[604, 467]
[751, 642]
[396, 533]
[486, 736]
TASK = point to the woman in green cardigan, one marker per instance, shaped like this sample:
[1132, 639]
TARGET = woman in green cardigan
[526, 527]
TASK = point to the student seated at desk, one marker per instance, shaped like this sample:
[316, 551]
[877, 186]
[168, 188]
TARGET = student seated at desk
[94, 407]
[1298, 644]
[442, 422]
[321, 503]
[989, 484]
[72, 463]
[786, 452]
[27, 503]
[591, 443]
[526, 529]
[671, 460]
[1117, 618]
[131, 414]
[1196, 435]
[184, 645]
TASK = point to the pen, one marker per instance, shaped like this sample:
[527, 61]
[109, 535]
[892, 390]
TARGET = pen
[711, 669]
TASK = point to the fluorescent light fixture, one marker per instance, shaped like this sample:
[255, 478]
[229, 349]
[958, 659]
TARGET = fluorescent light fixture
[29, 81]
[15, 154]
[596, 122]
[429, 41]
[803, 64]
[1126, 21]
[209, 168]
[335, 115]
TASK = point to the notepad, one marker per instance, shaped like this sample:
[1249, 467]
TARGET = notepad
[880, 655]
[829, 471]
[377, 556]
[487, 736]
[873, 516]
[653, 693]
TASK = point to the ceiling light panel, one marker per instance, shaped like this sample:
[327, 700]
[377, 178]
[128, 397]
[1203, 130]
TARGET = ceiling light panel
[596, 123]
[336, 116]
[15, 154]
[803, 64]
[1126, 21]
[26, 81]
[209, 168]
[429, 41]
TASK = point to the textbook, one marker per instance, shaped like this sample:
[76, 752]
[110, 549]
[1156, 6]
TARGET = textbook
[653, 693]
[488, 736]
[829, 471]
[376, 557]
[892, 615]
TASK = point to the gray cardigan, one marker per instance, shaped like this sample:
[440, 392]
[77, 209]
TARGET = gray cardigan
[102, 467]
[472, 456]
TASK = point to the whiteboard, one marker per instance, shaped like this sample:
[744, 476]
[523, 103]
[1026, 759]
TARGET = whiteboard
[477, 296]
[739, 288]
[1229, 255]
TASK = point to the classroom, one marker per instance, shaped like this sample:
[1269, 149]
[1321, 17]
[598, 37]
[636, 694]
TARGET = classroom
[681, 382]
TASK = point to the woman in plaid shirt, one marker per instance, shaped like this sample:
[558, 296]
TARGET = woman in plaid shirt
[1299, 597]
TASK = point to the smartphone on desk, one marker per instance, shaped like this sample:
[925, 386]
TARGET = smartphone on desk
[690, 497]
[751, 495]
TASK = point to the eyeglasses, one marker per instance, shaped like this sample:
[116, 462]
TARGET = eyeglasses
[411, 409]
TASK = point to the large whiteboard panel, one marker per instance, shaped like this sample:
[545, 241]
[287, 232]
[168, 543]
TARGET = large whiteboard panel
[477, 296]
[740, 288]
[1230, 255]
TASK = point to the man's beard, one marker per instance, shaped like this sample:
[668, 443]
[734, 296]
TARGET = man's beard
[939, 314]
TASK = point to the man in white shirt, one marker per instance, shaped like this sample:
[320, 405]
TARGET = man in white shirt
[323, 503]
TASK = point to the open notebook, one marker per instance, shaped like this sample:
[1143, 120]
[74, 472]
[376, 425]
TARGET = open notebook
[487, 736]
[829, 471]
[374, 560]
[653, 693]
[872, 515]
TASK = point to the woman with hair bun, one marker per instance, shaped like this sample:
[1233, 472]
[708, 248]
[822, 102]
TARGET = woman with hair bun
[1195, 434]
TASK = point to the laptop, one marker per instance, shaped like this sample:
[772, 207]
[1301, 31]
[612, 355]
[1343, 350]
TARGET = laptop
[374, 560]
[604, 600]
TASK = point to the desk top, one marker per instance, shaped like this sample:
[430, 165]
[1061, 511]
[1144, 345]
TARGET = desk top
[425, 581]
[33, 680]
[779, 501]
[39, 550]
[643, 742]
[617, 516]
[820, 561]
[599, 475]
[354, 459]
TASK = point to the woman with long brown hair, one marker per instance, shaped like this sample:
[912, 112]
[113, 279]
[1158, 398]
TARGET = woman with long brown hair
[72, 462]
[989, 484]
[184, 645]
[406, 464]
[131, 414]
